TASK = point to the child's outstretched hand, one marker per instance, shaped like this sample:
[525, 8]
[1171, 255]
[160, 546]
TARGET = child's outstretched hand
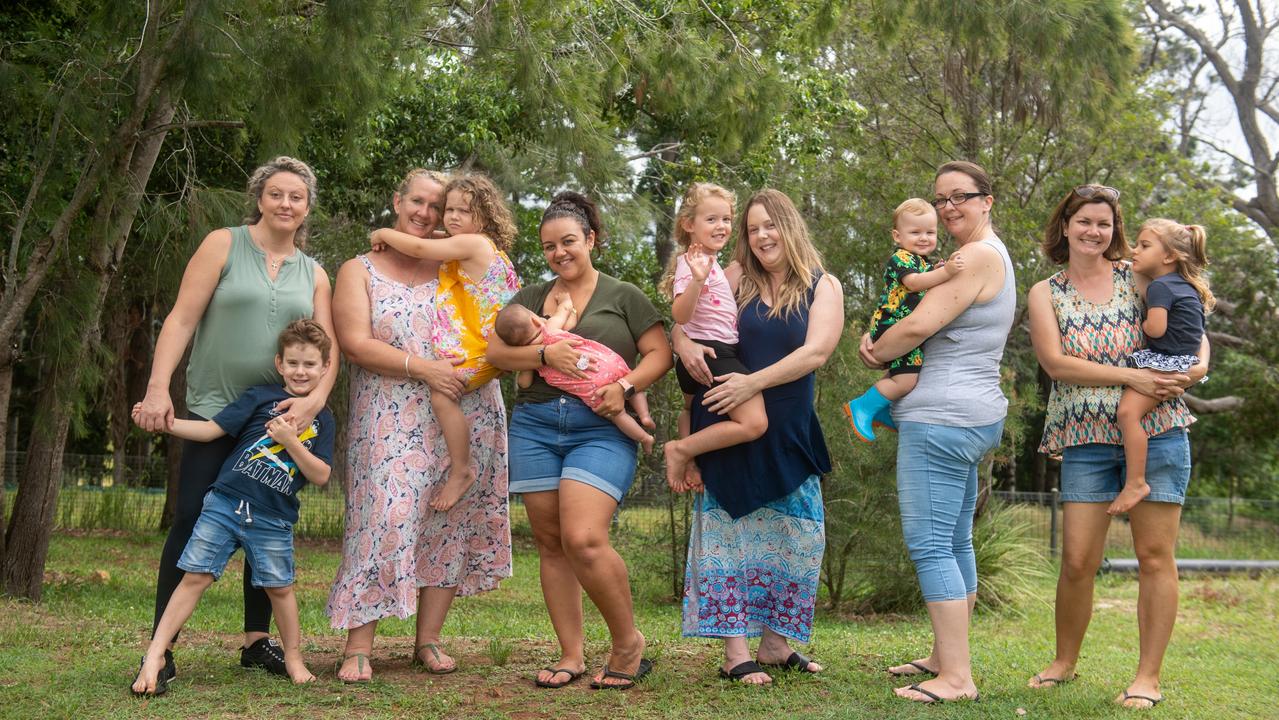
[699, 261]
[954, 263]
[374, 244]
[281, 430]
[564, 301]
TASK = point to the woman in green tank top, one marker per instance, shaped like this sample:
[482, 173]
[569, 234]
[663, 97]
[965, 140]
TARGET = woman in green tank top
[242, 286]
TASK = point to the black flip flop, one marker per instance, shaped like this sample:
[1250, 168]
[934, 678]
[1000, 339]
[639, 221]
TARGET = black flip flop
[741, 670]
[935, 698]
[1153, 701]
[572, 676]
[161, 682]
[1052, 682]
[923, 670]
[645, 667]
[796, 661]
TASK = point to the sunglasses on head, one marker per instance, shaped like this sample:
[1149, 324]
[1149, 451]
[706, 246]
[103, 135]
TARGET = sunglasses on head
[1102, 191]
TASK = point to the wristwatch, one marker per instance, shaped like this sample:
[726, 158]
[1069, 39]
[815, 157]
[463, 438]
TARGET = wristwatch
[627, 388]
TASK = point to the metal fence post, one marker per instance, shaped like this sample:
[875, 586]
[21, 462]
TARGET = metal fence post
[1052, 523]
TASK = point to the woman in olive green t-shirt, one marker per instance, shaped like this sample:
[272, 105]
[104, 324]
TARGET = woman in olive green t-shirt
[573, 465]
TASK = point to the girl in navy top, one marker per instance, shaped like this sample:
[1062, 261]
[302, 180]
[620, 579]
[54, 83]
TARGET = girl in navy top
[1173, 256]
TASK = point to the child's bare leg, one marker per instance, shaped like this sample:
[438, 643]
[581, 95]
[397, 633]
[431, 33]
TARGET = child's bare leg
[684, 424]
[639, 403]
[745, 423]
[284, 606]
[1133, 406]
[176, 613]
[896, 387]
[457, 438]
[632, 429]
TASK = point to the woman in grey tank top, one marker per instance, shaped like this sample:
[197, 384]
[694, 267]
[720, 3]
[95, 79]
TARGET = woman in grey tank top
[952, 418]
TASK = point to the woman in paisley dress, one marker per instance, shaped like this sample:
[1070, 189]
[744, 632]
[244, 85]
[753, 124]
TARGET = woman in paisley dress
[1084, 323]
[756, 549]
[399, 555]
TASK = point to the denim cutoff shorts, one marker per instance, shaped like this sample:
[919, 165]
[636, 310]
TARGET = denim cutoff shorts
[1095, 472]
[564, 438]
[227, 523]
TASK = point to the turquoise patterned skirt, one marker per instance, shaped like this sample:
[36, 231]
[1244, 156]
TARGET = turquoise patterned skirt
[758, 571]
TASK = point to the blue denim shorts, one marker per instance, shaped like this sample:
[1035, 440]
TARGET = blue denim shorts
[565, 439]
[227, 523]
[1095, 472]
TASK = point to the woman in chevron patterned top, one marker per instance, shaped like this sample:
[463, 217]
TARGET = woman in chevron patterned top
[1084, 323]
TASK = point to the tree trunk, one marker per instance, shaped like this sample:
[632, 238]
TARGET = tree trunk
[27, 542]
[6, 391]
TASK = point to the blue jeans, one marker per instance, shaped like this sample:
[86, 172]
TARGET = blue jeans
[937, 493]
[227, 523]
[565, 439]
[1095, 472]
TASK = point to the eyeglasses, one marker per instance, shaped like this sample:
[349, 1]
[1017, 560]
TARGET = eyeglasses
[1102, 191]
[957, 199]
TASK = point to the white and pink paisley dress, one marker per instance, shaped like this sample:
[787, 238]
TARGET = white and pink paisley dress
[394, 543]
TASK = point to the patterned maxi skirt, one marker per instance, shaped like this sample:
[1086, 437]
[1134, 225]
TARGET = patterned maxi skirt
[758, 571]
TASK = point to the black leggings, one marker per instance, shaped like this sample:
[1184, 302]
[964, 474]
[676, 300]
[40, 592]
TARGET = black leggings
[199, 469]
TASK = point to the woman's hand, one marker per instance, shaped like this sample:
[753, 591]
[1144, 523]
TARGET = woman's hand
[155, 412]
[300, 411]
[442, 378]
[612, 400]
[564, 356]
[693, 355]
[733, 390]
[866, 351]
[1158, 385]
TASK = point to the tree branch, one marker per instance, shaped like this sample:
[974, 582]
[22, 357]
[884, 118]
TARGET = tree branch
[189, 124]
[1230, 403]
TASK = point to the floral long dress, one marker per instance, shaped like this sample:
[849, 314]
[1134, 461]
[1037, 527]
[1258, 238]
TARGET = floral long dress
[394, 542]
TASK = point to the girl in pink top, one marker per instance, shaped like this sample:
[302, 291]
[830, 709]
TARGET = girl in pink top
[702, 302]
[600, 366]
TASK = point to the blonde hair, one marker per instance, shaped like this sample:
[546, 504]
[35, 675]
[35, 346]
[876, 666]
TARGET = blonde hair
[913, 206]
[1189, 245]
[257, 183]
[435, 176]
[803, 261]
[696, 194]
[490, 210]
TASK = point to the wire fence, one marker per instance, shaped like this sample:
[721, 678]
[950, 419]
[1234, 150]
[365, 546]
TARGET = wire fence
[103, 492]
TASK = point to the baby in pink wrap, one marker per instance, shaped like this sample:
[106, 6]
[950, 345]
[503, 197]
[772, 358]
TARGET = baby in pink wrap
[517, 325]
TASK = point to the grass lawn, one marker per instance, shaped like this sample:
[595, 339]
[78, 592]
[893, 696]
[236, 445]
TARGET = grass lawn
[74, 655]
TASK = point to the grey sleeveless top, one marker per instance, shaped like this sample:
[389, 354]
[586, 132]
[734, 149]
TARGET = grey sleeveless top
[959, 382]
[235, 342]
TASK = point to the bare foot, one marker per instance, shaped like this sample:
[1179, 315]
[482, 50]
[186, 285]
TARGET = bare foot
[447, 495]
[647, 443]
[1055, 674]
[646, 421]
[355, 668]
[148, 675]
[693, 478]
[1133, 493]
[296, 668]
[676, 461]
[623, 660]
[922, 666]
